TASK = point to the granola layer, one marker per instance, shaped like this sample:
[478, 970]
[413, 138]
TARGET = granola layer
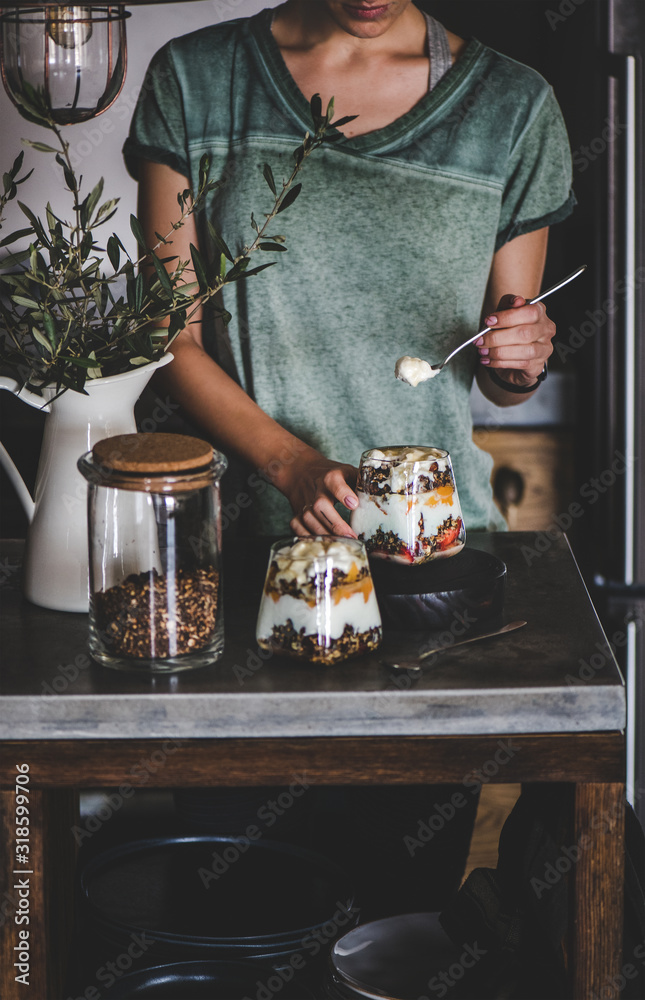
[286, 640]
[404, 471]
[448, 539]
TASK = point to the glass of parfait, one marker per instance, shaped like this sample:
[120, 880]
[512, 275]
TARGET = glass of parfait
[408, 509]
[318, 602]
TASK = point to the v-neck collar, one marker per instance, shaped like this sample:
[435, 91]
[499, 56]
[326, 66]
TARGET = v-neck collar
[278, 74]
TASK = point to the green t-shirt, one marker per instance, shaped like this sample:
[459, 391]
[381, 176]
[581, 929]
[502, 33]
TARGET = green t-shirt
[390, 242]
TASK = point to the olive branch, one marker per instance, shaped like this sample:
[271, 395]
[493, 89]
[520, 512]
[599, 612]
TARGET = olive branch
[66, 320]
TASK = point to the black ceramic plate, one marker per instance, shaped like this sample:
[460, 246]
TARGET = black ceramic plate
[429, 596]
[206, 981]
[221, 897]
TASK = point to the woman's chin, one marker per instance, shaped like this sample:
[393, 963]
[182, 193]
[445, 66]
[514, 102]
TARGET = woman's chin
[365, 20]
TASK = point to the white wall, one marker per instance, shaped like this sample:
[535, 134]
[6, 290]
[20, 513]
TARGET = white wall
[96, 145]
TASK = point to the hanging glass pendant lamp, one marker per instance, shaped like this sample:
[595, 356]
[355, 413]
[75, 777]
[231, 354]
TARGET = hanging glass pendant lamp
[75, 56]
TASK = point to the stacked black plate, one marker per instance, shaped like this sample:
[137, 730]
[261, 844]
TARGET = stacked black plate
[218, 898]
[207, 981]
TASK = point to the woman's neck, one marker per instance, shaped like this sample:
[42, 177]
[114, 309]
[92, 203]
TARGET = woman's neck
[306, 25]
[377, 78]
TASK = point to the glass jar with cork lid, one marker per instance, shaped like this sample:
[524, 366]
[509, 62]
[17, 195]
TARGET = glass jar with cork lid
[155, 552]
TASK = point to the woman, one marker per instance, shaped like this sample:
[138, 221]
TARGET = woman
[433, 212]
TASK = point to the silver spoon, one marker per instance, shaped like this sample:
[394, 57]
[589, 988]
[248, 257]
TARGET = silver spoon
[414, 666]
[431, 370]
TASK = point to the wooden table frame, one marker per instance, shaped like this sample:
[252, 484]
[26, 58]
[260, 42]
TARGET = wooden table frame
[592, 764]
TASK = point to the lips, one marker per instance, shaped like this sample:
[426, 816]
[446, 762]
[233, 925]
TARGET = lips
[366, 13]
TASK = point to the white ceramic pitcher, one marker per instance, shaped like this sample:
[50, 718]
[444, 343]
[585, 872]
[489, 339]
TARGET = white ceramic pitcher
[56, 557]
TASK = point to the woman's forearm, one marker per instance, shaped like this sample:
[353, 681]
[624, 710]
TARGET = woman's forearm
[519, 343]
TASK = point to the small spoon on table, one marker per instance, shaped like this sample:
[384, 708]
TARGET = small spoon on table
[415, 666]
[415, 370]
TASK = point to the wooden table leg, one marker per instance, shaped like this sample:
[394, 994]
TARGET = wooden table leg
[41, 890]
[596, 946]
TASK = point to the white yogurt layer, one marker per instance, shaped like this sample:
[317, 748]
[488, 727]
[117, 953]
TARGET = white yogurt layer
[414, 370]
[326, 620]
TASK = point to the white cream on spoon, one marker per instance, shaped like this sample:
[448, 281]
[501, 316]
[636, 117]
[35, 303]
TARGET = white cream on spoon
[414, 370]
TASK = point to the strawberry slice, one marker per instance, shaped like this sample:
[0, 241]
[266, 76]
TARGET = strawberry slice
[449, 537]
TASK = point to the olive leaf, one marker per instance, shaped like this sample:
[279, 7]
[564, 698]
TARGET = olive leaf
[137, 232]
[220, 245]
[343, 121]
[200, 270]
[42, 147]
[38, 337]
[114, 252]
[316, 110]
[268, 176]
[162, 274]
[289, 198]
[18, 235]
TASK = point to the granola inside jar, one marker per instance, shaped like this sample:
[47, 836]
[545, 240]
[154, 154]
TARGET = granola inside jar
[154, 540]
[318, 602]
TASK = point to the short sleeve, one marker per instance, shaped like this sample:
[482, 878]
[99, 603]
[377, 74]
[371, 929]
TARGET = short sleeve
[158, 128]
[538, 182]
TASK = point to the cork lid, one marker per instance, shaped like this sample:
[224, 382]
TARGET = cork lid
[152, 454]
